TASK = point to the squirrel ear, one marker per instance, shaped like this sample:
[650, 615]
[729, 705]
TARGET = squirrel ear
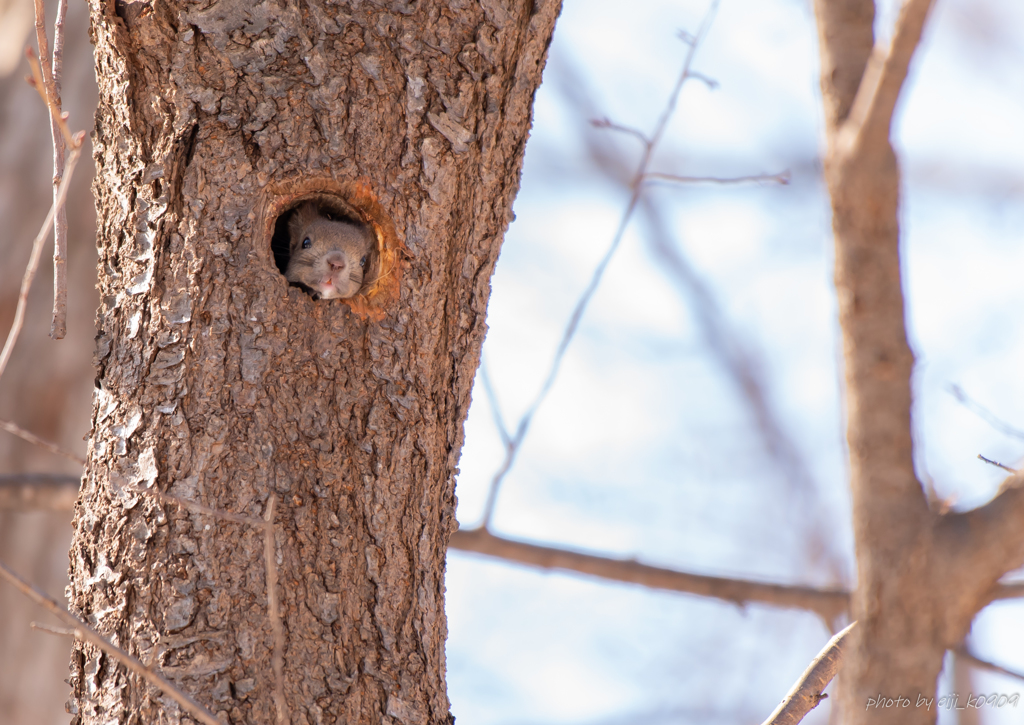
[304, 214]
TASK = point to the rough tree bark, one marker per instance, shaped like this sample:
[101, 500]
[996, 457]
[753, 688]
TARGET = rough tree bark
[922, 574]
[219, 383]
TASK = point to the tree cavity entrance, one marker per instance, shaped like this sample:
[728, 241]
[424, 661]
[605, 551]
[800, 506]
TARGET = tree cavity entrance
[345, 212]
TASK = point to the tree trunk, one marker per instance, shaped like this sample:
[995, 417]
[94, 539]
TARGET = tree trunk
[922, 574]
[219, 383]
[892, 524]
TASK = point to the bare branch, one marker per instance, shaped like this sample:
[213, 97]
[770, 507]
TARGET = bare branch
[37, 248]
[967, 656]
[636, 187]
[85, 633]
[984, 413]
[873, 106]
[59, 631]
[997, 464]
[58, 49]
[781, 177]
[46, 77]
[1008, 591]
[38, 81]
[44, 55]
[59, 324]
[492, 398]
[711, 83]
[673, 100]
[32, 438]
[266, 524]
[38, 492]
[979, 546]
[635, 133]
[826, 603]
[277, 659]
[807, 692]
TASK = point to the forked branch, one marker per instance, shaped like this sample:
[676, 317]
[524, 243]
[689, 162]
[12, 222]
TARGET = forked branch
[873, 106]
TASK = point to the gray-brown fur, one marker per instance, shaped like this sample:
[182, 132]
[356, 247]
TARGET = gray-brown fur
[335, 257]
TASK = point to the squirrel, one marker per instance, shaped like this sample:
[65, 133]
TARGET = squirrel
[328, 256]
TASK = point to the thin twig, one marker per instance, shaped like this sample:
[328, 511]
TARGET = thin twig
[807, 692]
[984, 413]
[32, 438]
[37, 81]
[711, 83]
[37, 248]
[276, 626]
[964, 653]
[1012, 590]
[997, 464]
[60, 631]
[781, 177]
[44, 53]
[827, 603]
[636, 188]
[85, 633]
[629, 130]
[38, 491]
[58, 48]
[59, 323]
[46, 76]
[266, 524]
[492, 398]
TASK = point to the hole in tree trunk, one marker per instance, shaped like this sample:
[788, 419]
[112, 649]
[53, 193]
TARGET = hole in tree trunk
[355, 205]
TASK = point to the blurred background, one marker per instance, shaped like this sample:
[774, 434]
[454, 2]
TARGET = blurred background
[696, 420]
[47, 387]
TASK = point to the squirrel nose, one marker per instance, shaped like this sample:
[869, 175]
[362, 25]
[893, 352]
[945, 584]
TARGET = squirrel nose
[336, 261]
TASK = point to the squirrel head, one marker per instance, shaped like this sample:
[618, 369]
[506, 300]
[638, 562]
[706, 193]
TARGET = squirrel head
[328, 256]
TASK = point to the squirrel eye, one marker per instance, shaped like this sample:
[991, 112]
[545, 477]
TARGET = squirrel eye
[306, 243]
[362, 262]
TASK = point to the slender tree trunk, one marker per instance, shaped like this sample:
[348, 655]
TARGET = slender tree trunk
[219, 383]
[892, 529]
[922, 574]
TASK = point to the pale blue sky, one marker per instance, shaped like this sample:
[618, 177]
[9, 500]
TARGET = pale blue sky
[644, 447]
